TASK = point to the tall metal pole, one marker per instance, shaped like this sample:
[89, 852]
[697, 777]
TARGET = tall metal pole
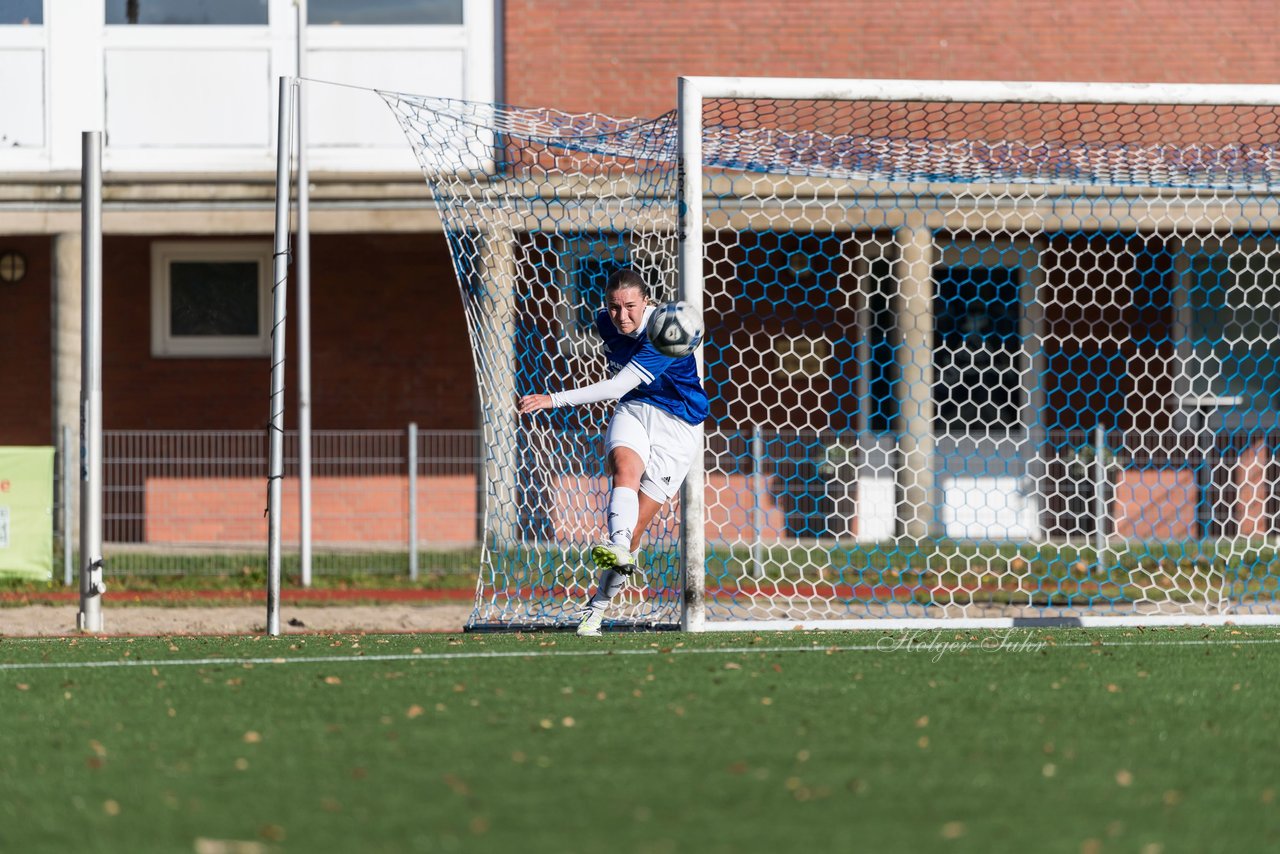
[89, 618]
[693, 530]
[304, 313]
[757, 503]
[279, 290]
[1099, 495]
[68, 472]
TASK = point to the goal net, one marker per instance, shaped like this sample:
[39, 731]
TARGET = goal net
[977, 353]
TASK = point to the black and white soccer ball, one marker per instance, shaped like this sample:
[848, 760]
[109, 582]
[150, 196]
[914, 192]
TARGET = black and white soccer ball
[675, 329]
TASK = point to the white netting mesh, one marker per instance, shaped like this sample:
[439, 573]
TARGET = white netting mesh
[965, 359]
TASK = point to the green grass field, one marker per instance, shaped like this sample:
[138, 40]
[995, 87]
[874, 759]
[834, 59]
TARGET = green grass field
[1065, 740]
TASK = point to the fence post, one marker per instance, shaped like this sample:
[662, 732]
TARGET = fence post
[66, 491]
[413, 501]
[757, 505]
[1099, 494]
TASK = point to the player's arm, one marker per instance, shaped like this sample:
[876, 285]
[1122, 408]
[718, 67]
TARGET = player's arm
[613, 388]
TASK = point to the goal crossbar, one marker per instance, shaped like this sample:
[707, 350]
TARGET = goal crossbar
[981, 91]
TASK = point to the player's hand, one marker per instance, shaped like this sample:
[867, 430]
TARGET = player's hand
[534, 402]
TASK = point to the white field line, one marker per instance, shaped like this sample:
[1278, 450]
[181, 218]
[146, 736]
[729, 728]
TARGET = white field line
[1027, 643]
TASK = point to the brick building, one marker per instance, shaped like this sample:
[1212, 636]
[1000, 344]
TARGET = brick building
[187, 107]
[379, 262]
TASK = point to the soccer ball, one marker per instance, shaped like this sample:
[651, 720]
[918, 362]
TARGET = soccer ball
[675, 329]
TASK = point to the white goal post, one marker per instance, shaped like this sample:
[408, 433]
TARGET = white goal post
[979, 354]
[1186, 599]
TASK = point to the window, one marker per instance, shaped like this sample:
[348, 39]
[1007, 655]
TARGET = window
[22, 12]
[589, 277]
[883, 341]
[1229, 320]
[384, 12]
[586, 263]
[186, 12]
[977, 348]
[581, 264]
[210, 299]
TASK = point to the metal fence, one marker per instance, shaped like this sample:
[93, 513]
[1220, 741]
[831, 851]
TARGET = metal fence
[194, 502]
[410, 502]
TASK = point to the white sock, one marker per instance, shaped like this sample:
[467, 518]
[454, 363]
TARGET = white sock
[624, 510]
[610, 585]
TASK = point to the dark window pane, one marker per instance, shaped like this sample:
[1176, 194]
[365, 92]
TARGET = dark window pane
[591, 259]
[384, 12]
[590, 278]
[213, 298]
[21, 11]
[884, 339]
[1234, 326]
[168, 12]
[977, 349]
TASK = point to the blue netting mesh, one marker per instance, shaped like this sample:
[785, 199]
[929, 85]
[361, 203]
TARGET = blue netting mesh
[964, 359]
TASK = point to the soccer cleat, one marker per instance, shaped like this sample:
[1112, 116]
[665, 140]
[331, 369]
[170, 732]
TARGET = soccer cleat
[610, 556]
[591, 621]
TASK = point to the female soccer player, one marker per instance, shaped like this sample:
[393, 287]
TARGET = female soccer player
[651, 441]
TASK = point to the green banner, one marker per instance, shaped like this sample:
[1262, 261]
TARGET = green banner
[26, 512]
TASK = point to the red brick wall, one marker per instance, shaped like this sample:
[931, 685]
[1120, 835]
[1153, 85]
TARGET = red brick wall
[364, 511]
[389, 345]
[1156, 504]
[26, 346]
[1253, 491]
[372, 510]
[623, 58]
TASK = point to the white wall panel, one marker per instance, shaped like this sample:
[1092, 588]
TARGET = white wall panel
[988, 508]
[22, 98]
[189, 98]
[350, 118]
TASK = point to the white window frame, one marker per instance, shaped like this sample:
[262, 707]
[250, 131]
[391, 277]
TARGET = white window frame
[78, 50]
[164, 344]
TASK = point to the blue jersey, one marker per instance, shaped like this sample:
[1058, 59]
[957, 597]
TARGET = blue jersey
[671, 384]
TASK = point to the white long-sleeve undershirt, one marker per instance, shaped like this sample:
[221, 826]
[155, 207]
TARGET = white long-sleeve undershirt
[611, 389]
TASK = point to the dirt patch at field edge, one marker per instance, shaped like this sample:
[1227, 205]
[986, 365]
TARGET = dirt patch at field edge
[60, 620]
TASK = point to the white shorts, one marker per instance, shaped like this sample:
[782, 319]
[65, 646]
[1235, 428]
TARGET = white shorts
[665, 443]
